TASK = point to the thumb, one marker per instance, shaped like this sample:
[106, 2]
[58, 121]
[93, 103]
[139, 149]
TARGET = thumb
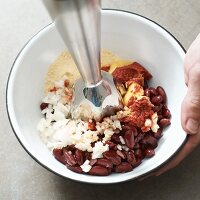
[190, 116]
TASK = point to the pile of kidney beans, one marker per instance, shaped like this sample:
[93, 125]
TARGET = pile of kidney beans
[140, 145]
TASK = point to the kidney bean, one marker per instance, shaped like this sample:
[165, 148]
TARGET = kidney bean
[153, 142]
[112, 156]
[161, 92]
[117, 131]
[115, 138]
[130, 127]
[68, 156]
[121, 154]
[150, 140]
[165, 106]
[131, 157]
[138, 154]
[104, 163]
[160, 111]
[110, 170]
[111, 145]
[138, 162]
[164, 122]
[70, 148]
[123, 167]
[160, 117]
[153, 91]
[149, 153]
[157, 100]
[136, 133]
[134, 130]
[157, 108]
[76, 169]
[99, 171]
[139, 137]
[93, 162]
[129, 138]
[147, 93]
[145, 84]
[158, 134]
[136, 146]
[166, 113]
[43, 106]
[125, 127]
[58, 154]
[79, 157]
[88, 155]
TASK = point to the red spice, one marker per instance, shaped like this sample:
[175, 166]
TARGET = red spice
[128, 72]
[124, 74]
[105, 68]
[66, 83]
[141, 70]
[137, 89]
[54, 89]
[141, 110]
[68, 98]
[138, 80]
[92, 126]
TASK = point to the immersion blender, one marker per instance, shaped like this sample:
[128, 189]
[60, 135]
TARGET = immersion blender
[79, 24]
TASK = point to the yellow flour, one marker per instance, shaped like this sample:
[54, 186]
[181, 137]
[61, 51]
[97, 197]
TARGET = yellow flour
[64, 65]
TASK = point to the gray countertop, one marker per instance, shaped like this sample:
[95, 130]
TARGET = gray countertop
[21, 177]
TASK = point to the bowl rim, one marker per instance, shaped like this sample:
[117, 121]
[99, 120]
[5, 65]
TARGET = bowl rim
[46, 167]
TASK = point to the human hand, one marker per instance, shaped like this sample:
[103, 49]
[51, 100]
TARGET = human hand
[190, 111]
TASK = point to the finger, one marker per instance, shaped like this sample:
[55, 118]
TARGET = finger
[186, 64]
[192, 57]
[190, 112]
[192, 142]
[145, 177]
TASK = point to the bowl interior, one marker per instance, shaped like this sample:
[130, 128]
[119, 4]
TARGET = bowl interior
[125, 34]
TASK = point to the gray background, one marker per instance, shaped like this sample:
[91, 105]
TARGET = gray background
[21, 177]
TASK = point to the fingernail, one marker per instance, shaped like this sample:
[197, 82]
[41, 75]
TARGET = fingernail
[192, 126]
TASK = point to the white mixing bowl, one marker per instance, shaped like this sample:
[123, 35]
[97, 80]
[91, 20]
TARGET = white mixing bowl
[126, 34]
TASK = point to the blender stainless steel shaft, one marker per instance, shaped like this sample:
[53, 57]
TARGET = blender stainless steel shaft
[78, 22]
